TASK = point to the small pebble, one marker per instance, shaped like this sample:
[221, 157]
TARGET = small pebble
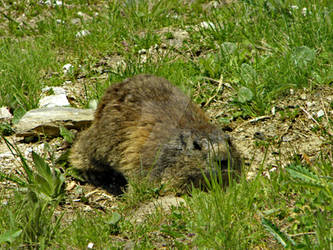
[82, 33]
[142, 51]
[320, 113]
[207, 25]
[67, 68]
[309, 104]
[7, 155]
[5, 114]
[304, 11]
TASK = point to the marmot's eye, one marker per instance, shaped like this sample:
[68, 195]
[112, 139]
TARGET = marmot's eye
[196, 145]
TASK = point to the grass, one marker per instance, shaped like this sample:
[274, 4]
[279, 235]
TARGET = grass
[261, 48]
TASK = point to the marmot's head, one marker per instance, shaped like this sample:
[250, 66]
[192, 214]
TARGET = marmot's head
[188, 155]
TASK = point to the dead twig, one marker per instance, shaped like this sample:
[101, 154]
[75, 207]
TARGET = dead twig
[309, 116]
[322, 104]
[220, 86]
[254, 120]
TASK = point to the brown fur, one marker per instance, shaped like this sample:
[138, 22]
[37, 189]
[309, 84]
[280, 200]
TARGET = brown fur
[145, 125]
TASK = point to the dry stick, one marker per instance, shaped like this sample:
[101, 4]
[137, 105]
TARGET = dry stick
[322, 104]
[211, 79]
[17, 23]
[217, 91]
[9, 18]
[254, 120]
[301, 234]
[310, 116]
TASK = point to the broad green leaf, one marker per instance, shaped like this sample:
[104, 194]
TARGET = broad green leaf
[66, 134]
[18, 114]
[228, 47]
[303, 174]
[9, 236]
[244, 95]
[248, 73]
[303, 55]
[115, 218]
[41, 166]
[281, 237]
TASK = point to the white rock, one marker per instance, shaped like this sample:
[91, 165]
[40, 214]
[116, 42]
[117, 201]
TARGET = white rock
[207, 25]
[52, 3]
[320, 113]
[82, 33]
[304, 11]
[7, 155]
[93, 104]
[5, 114]
[228, 85]
[143, 59]
[75, 20]
[273, 169]
[309, 104]
[90, 245]
[165, 203]
[142, 51]
[329, 98]
[56, 90]
[68, 68]
[54, 101]
[67, 82]
[60, 21]
[28, 152]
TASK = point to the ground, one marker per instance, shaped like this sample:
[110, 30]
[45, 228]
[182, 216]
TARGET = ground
[262, 70]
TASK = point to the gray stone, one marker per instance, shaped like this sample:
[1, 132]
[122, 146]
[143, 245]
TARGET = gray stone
[177, 36]
[163, 203]
[46, 121]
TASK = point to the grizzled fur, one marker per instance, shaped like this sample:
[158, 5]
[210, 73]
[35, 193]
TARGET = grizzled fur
[146, 126]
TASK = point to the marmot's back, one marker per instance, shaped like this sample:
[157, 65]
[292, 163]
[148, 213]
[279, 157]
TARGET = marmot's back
[145, 125]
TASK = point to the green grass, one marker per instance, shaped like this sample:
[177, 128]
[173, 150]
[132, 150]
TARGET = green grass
[261, 48]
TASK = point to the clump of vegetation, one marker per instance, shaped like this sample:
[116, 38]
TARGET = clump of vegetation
[40, 192]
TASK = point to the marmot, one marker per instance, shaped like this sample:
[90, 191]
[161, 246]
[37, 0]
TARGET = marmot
[145, 126]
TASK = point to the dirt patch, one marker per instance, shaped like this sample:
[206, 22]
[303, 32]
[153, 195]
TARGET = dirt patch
[297, 127]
